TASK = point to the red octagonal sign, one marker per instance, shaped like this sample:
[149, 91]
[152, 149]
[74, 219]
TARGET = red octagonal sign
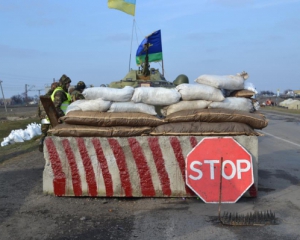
[203, 171]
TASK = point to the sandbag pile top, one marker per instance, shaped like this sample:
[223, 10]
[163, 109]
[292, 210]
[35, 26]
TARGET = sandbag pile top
[214, 105]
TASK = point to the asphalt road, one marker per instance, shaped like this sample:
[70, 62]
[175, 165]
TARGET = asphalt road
[26, 213]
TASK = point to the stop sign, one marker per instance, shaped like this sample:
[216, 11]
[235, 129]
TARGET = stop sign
[203, 170]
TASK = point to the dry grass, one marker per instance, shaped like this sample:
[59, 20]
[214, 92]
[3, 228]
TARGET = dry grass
[280, 109]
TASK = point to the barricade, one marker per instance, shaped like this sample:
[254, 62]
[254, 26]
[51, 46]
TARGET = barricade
[142, 166]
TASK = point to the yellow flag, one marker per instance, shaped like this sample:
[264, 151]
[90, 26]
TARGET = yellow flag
[127, 6]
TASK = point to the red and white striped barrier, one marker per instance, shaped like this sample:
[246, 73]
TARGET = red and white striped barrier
[125, 167]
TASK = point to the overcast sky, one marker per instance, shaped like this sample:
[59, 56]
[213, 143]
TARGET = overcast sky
[41, 40]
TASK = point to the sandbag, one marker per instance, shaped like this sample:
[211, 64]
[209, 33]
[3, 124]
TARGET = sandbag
[155, 96]
[132, 107]
[234, 103]
[107, 119]
[204, 129]
[98, 105]
[199, 92]
[255, 120]
[66, 130]
[109, 94]
[185, 105]
[230, 82]
[250, 86]
[242, 93]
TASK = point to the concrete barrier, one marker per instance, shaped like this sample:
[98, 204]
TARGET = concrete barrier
[125, 167]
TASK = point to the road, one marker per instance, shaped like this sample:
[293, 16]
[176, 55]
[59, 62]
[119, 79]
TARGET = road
[26, 213]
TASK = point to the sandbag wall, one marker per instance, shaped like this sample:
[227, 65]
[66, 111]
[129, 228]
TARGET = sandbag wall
[213, 106]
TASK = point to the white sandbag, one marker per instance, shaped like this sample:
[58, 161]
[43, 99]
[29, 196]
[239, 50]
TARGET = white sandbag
[74, 106]
[199, 92]
[109, 94]
[185, 105]
[5, 142]
[230, 82]
[25, 135]
[250, 86]
[234, 103]
[256, 105]
[155, 96]
[15, 136]
[33, 130]
[20, 135]
[97, 105]
[132, 107]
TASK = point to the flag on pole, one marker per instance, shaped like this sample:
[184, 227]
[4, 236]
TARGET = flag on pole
[153, 43]
[127, 6]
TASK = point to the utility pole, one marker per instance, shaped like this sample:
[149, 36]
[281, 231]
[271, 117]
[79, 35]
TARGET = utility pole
[39, 92]
[26, 93]
[3, 96]
[27, 89]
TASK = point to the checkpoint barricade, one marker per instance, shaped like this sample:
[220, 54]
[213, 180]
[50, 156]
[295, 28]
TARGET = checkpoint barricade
[143, 166]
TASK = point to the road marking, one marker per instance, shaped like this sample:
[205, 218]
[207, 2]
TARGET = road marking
[298, 145]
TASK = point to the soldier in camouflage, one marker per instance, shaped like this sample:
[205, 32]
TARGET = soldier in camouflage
[43, 116]
[60, 97]
[77, 93]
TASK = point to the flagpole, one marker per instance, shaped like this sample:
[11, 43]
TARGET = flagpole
[131, 43]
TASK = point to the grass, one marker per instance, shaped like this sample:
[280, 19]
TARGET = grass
[280, 109]
[16, 149]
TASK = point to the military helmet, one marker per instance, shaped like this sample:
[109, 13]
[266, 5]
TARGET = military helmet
[181, 79]
[64, 79]
[80, 85]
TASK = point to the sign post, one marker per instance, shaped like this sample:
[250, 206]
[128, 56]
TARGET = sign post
[203, 168]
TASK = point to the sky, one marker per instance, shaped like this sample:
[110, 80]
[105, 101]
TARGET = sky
[86, 40]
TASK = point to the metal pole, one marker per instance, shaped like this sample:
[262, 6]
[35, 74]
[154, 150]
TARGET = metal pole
[26, 94]
[3, 96]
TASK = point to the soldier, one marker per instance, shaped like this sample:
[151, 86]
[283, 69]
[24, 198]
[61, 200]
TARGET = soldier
[77, 93]
[45, 124]
[60, 97]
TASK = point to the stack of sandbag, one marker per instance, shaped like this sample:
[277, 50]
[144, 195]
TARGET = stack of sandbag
[213, 91]
[212, 122]
[21, 135]
[109, 112]
[215, 105]
[190, 109]
[105, 124]
[127, 99]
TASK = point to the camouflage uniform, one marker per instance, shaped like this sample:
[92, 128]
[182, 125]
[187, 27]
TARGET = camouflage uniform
[42, 115]
[61, 95]
[77, 93]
